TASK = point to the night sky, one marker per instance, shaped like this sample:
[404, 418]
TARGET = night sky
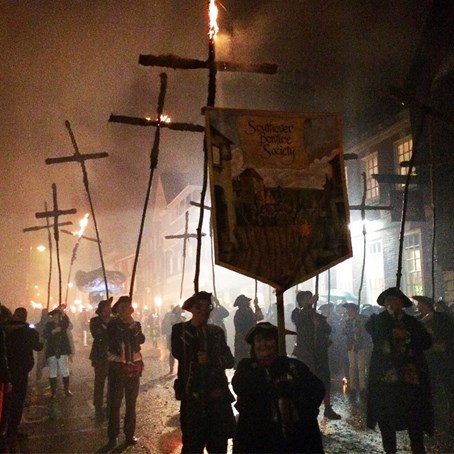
[77, 60]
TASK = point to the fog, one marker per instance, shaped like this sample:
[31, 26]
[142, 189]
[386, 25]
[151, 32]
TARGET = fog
[78, 61]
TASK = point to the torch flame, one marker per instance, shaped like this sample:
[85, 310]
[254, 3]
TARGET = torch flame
[213, 13]
[83, 224]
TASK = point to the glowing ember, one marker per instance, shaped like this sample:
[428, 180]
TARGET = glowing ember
[213, 13]
[83, 224]
[165, 119]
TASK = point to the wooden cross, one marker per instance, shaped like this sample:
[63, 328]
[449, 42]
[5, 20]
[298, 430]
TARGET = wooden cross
[185, 236]
[55, 214]
[49, 239]
[81, 158]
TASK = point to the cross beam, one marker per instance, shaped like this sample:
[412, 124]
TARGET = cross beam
[137, 121]
[42, 227]
[176, 62]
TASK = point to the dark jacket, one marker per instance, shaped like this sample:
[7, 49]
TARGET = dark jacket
[21, 341]
[278, 407]
[4, 369]
[312, 340]
[57, 344]
[244, 320]
[399, 386]
[186, 343]
[100, 345]
[120, 333]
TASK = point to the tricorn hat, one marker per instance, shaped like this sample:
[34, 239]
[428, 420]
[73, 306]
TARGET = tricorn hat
[202, 295]
[394, 291]
[102, 304]
[241, 300]
[266, 328]
[122, 299]
[424, 299]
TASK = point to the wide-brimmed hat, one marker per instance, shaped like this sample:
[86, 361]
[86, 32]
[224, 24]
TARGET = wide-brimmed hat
[241, 300]
[424, 299]
[102, 304]
[121, 300]
[265, 328]
[198, 296]
[394, 291]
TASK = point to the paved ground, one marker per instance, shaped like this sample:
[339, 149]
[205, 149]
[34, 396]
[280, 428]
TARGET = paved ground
[67, 425]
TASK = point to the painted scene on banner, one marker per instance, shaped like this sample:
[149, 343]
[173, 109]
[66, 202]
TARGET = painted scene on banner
[279, 201]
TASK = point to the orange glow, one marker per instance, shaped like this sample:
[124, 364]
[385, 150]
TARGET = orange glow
[83, 224]
[213, 14]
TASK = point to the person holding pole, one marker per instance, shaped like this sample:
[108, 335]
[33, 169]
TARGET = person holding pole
[206, 415]
[399, 395]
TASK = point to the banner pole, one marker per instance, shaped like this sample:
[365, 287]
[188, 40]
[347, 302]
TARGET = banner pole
[280, 322]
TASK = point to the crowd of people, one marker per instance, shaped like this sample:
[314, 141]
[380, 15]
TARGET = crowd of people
[398, 360]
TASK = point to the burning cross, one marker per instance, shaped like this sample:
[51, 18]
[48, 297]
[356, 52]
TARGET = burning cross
[176, 62]
[56, 213]
[81, 158]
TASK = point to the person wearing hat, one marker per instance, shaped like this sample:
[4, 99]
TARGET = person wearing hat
[206, 415]
[278, 399]
[440, 357]
[125, 338]
[312, 343]
[357, 341]
[244, 319]
[98, 354]
[58, 348]
[399, 396]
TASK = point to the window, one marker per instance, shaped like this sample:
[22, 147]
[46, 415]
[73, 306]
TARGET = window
[411, 264]
[371, 167]
[375, 271]
[403, 151]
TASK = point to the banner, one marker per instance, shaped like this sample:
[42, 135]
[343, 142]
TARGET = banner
[279, 204]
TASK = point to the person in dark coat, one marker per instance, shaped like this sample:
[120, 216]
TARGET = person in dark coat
[312, 343]
[21, 341]
[58, 349]
[440, 357]
[206, 414]
[278, 399]
[125, 369]
[98, 354]
[399, 396]
[244, 320]
[5, 376]
[175, 315]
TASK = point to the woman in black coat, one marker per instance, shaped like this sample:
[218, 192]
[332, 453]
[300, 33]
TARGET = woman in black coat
[277, 399]
[399, 396]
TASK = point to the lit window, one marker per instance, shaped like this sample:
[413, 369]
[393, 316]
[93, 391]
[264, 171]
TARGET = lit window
[412, 264]
[403, 149]
[371, 167]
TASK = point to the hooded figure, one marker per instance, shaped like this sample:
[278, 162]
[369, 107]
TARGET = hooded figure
[399, 396]
[278, 399]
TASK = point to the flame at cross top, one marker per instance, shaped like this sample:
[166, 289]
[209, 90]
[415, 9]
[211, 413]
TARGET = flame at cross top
[83, 225]
[213, 15]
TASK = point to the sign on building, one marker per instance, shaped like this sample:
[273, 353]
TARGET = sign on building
[279, 202]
